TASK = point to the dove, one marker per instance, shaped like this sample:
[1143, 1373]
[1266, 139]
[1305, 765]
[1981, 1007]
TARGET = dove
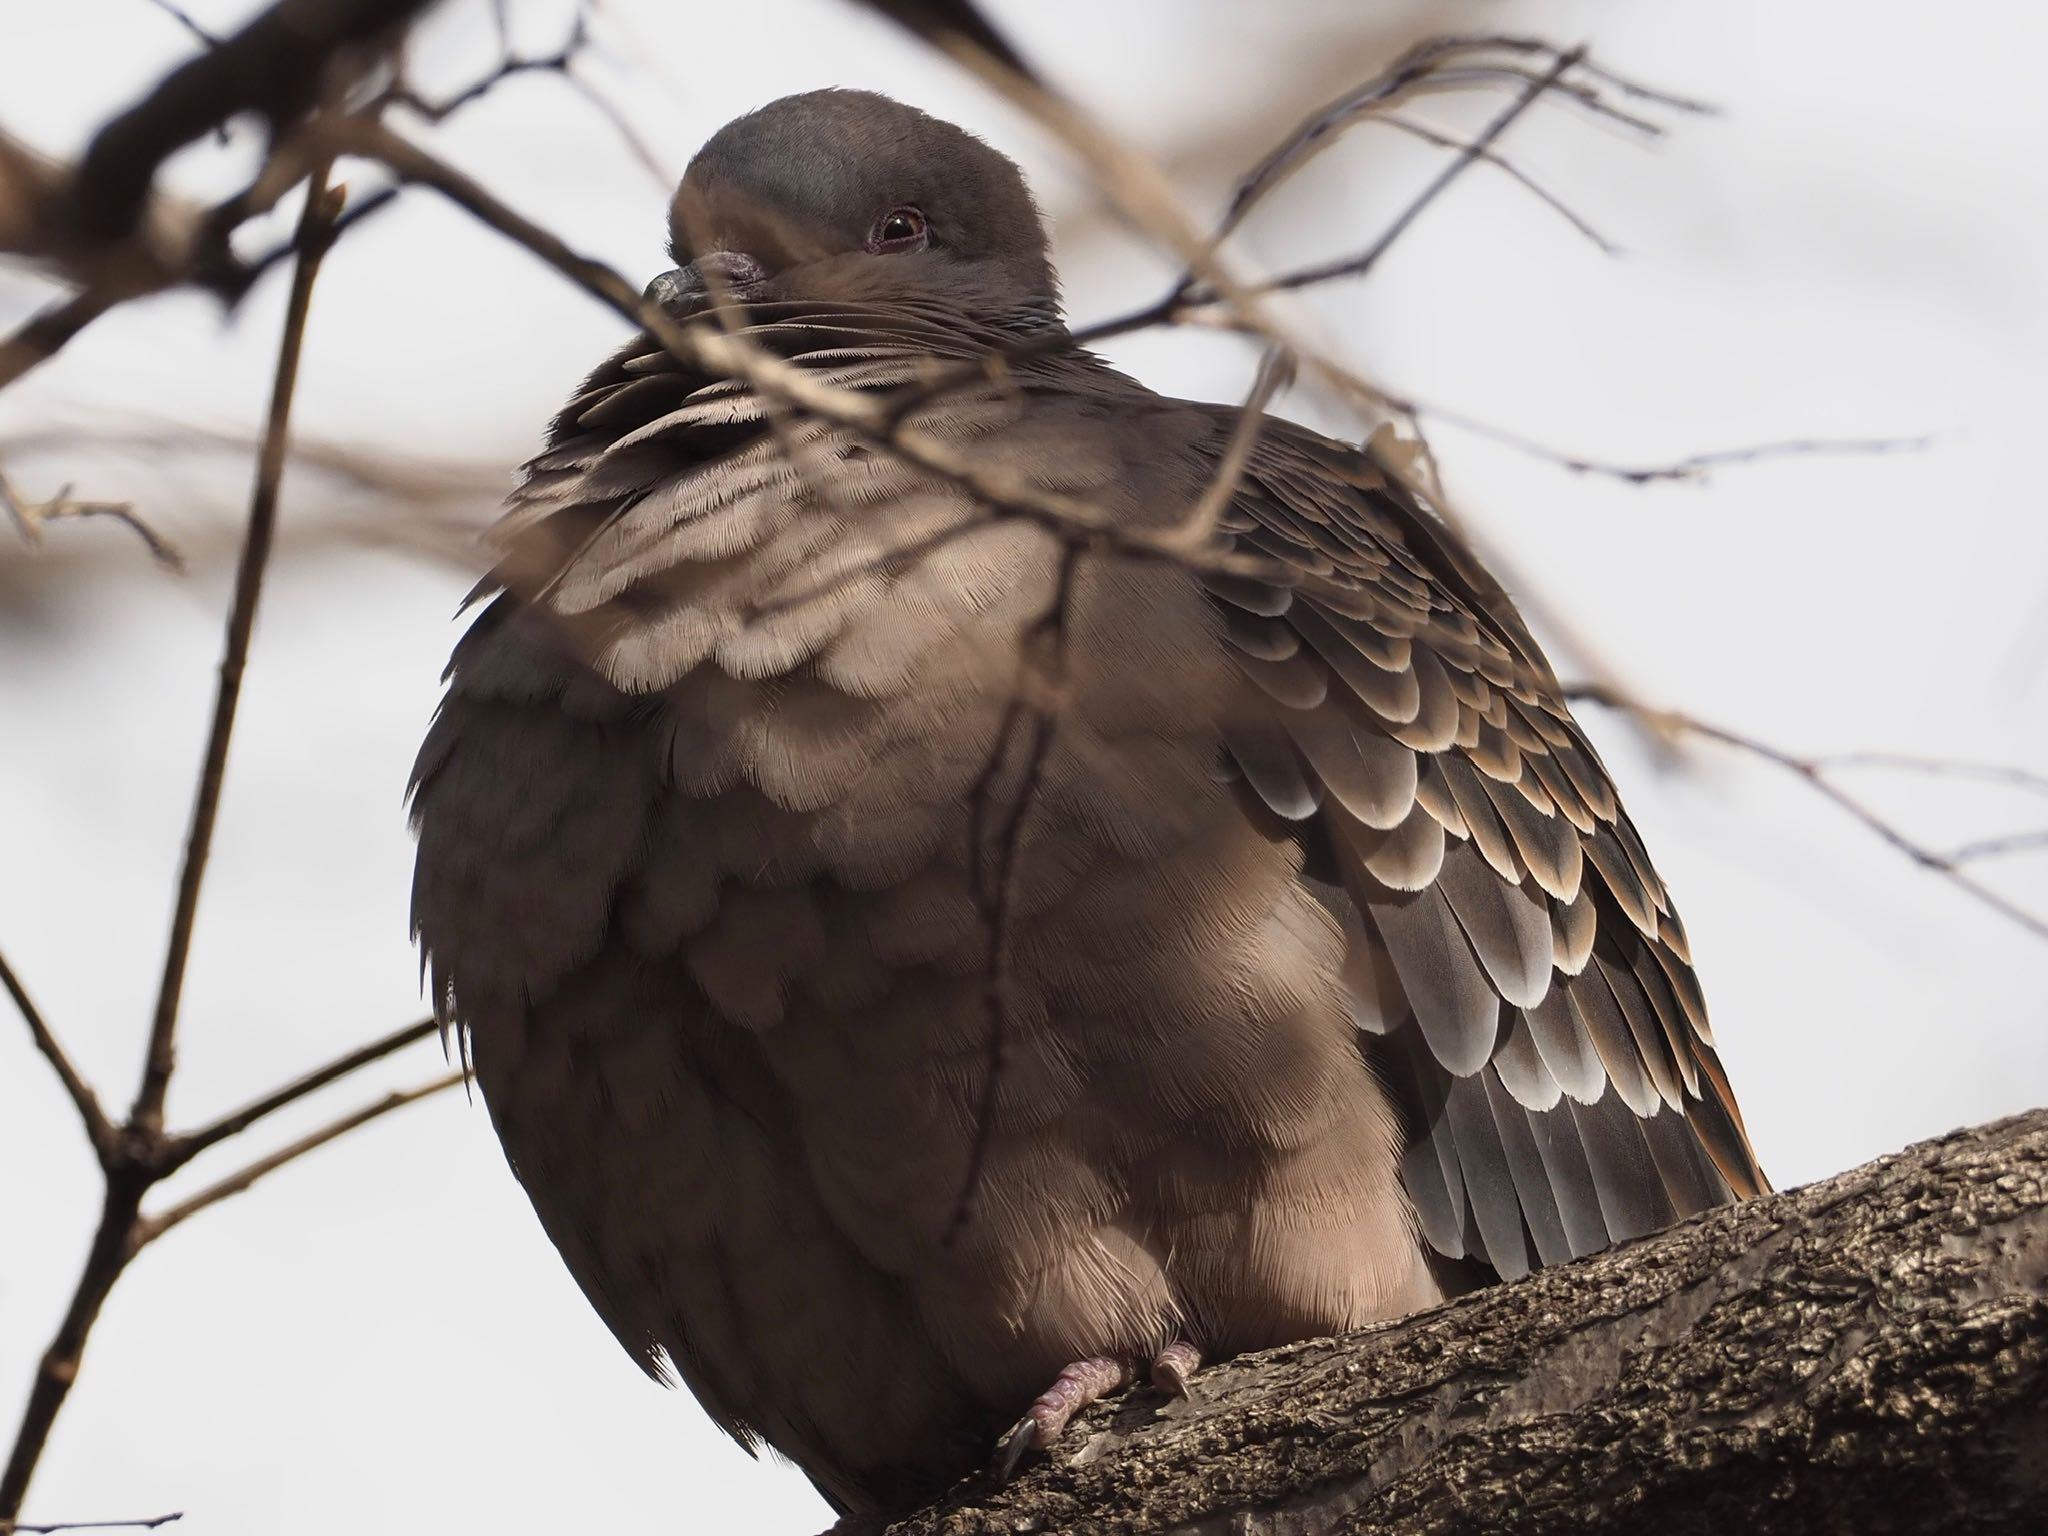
[928, 973]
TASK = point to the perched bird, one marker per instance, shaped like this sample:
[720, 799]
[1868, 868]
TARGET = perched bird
[1256, 946]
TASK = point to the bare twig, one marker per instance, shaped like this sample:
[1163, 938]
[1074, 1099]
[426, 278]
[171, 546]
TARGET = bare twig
[995, 838]
[199, 35]
[509, 64]
[1453, 62]
[1940, 767]
[1815, 772]
[359, 210]
[150, 1228]
[180, 1150]
[1998, 847]
[322, 207]
[1535, 188]
[1195, 531]
[1694, 468]
[562, 64]
[1364, 261]
[151, 1523]
[32, 516]
[636, 142]
[99, 1130]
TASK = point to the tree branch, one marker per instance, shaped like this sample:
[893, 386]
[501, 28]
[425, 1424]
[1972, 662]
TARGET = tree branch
[150, 1523]
[149, 1228]
[1815, 770]
[322, 207]
[277, 65]
[99, 1130]
[1869, 1353]
[180, 1150]
[130, 1160]
[1468, 155]
[32, 516]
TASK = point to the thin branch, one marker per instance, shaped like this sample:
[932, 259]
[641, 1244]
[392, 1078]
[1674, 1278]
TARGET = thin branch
[13, 1528]
[205, 39]
[1543, 194]
[359, 210]
[1698, 467]
[1941, 767]
[149, 1228]
[44, 334]
[1476, 149]
[562, 64]
[128, 1162]
[1195, 532]
[99, 1130]
[1572, 92]
[1433, 64]
[509, 64]
[1815, 772]
[993, 853]
[32, 516]
[180, 1150]
[636, 143]
[1693, 469]
[1998, 847]
[323, 205]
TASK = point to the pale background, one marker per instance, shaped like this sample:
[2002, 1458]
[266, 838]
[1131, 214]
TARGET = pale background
[380, 1338]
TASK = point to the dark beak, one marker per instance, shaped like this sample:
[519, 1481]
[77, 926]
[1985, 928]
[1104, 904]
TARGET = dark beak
[711, 275]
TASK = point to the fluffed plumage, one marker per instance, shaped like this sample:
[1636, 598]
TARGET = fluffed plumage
[1338, 980]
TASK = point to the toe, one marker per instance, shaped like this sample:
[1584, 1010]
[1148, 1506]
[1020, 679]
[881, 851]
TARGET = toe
[1082, 1383]
[1174, 1365]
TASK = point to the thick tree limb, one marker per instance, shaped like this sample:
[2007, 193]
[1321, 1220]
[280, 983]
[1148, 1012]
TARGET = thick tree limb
[278, 65]
[1865, 1354]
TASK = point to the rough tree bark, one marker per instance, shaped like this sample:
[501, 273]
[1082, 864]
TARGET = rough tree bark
[1865, 1354]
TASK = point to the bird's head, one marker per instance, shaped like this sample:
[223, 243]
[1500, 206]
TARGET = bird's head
[850, 197]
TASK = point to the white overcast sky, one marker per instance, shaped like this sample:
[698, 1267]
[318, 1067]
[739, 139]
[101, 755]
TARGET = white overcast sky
[381, 1338]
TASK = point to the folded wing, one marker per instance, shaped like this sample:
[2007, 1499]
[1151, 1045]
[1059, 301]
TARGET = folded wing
[1515, 963]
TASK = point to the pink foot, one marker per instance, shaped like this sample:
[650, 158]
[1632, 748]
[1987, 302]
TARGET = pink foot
[1082, 1383]
[1085, 1382]
[1174, 1365]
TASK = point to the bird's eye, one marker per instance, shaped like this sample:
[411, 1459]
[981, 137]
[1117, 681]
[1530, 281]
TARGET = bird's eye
[900, 229]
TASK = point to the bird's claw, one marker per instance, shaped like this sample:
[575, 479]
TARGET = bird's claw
[1174, 1366]
[1084, 1382]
